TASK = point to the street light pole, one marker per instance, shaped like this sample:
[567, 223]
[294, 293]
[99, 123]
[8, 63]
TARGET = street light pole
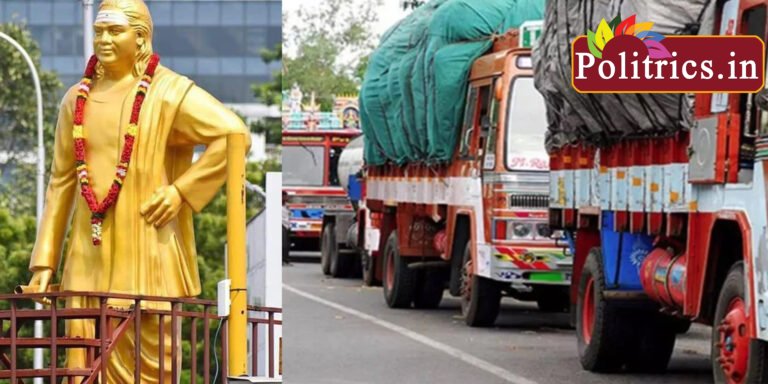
[38, 356]
[87, 29]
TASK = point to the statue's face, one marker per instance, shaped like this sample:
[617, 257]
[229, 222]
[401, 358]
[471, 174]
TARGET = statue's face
[115, 41]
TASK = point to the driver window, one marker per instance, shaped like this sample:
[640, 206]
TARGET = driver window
[483, 121]
[752, 106]
[469, 116]
[489, 161]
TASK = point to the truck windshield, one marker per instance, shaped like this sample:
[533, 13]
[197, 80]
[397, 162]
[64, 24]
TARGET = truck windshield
[526, 126]
[303, 165]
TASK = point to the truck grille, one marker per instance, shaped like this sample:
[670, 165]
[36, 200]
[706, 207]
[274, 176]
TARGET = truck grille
[528, 201]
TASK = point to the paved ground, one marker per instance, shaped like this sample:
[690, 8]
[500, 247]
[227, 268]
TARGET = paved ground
[337, 331]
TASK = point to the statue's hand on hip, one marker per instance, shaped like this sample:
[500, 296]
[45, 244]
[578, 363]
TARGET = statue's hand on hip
[163, 206]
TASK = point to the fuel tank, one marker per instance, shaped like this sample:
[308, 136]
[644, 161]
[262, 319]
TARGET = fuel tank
[350, 162]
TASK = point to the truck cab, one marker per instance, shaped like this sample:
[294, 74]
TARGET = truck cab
[479, 223]
[671, 229]
[502, 142]
[310, 180]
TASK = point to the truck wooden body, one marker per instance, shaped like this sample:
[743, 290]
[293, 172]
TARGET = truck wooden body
[669, 230]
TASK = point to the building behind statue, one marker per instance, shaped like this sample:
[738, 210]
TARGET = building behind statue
[216, 43]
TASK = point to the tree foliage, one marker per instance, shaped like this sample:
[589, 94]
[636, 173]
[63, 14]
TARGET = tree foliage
[18, 119]
[270, 93]
[329, 41]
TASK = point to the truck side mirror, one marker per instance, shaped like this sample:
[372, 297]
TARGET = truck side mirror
[761, 99]
[485, 123]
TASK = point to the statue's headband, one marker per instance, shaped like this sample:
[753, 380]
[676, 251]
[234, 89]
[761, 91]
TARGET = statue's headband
[112, 17]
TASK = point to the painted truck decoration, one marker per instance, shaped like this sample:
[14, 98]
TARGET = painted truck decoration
[670, 230]
[477, 225]
[312, 144]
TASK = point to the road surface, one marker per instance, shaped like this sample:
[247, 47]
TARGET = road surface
[337, 331]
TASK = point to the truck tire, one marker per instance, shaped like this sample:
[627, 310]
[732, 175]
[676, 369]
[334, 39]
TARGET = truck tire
[654, 341]
[758, 356]
[731, 336]
[399, 280]
[342, 262]
[599, 327]
[552, 298]
[368, 262]
[327, 246]
[682, 326]
[286, 246]
[480, 297]
[429, 288]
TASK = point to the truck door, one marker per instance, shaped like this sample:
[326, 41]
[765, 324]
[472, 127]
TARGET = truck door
[474, 136]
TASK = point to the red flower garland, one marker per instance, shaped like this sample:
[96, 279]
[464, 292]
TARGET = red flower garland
[98, 210]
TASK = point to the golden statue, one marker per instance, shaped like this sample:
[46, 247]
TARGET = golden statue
[123, 177]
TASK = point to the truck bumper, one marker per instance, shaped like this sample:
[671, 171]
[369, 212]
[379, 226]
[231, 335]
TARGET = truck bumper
[530, 266]
[306, 228]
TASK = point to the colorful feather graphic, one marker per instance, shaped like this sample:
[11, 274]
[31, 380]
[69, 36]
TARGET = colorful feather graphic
[628, 27]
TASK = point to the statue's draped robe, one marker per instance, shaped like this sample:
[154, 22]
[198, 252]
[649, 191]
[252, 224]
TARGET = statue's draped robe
[134, 257]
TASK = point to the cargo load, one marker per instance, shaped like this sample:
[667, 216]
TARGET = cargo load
[412, 98]
[601, 118]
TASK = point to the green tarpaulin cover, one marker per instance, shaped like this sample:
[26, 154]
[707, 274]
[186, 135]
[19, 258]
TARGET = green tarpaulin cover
[412, 98]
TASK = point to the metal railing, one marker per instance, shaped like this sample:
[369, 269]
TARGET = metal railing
[111, 322]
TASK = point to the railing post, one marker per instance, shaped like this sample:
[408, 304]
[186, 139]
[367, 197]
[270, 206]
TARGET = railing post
[271, 335]
[236, 262]
[137, 340]
[54, 337]
[13, 341]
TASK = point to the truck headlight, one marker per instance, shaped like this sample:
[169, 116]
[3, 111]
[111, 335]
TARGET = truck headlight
[543, 230]
[520, 230]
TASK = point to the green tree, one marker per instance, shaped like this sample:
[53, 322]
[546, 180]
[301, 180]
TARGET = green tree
[18, 119]
[270, 93]
[17, 236]
[327, 42]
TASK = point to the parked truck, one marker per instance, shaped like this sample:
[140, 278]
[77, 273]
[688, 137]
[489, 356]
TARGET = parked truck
[313, 142]
[463, 208]
[670, 223]
[341, 255]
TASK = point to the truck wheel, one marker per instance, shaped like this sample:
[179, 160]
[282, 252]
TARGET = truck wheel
[327, 246]
[430, 287]
[599, 327]
[651, 349]
[731, 336]
[480, 297]
[342, 261]
[757, 372]
[369, 269]
[286, 246]
[681, 326]
[552, 298]
[399, 280]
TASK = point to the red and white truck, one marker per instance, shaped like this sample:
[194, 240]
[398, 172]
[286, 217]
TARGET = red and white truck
[672, 228]
[478, 224]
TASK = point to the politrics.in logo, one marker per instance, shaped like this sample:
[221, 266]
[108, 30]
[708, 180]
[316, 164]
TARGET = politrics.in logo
[627, 27]
[624, 56]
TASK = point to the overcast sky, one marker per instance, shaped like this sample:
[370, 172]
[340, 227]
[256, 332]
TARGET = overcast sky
[389, 13]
